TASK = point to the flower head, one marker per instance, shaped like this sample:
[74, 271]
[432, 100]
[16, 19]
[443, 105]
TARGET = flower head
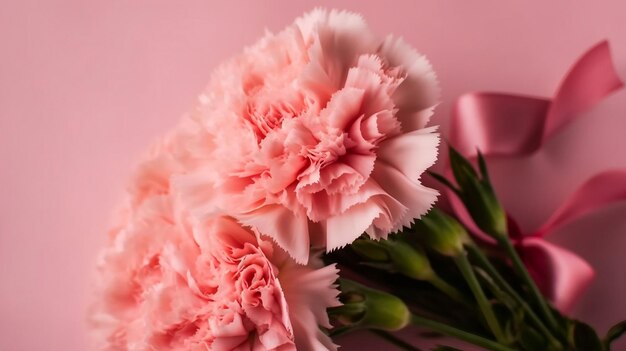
[167, 282]
[317, 134]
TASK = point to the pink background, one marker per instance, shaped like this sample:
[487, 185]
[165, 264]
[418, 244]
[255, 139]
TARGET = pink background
[86, 86]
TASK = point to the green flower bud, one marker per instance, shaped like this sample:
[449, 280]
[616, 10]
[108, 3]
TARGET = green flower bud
[408, 260]
[364, 307]
[442, 233]
[478, 195]
[370, 250]
[395, 256]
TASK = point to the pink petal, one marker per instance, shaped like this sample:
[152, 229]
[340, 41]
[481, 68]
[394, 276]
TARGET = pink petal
[417, 198]
[411, 153]
[343, 108]
[289, 230]
[419, 91]
[377, 211]
[308, 297]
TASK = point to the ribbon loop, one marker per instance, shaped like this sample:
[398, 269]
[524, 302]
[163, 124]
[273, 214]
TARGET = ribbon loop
[591, 79]
[514, 125]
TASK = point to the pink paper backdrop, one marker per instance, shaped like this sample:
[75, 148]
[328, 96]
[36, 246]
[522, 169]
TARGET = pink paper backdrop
[85, 87]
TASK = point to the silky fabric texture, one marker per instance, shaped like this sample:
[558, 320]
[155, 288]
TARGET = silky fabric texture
[498, 124]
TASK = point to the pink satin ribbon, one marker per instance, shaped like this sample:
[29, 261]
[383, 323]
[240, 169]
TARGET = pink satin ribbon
[512, 125]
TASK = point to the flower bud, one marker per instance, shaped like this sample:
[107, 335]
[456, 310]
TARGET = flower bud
[442, 233]
[370, 250]
[364, 307]
[478, 195]
[409, 261]
[395, 256]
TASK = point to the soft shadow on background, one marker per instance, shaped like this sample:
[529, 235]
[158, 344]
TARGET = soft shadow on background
[85, 87]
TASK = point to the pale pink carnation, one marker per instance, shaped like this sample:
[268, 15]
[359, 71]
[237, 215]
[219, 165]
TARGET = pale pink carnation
[169, 283]
[317, 134]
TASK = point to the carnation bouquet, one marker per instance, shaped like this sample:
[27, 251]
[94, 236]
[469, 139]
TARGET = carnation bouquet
[288, 209]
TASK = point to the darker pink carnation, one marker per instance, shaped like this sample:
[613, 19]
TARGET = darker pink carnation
[315, 135]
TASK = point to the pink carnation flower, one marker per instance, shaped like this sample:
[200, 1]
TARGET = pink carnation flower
[169, 283]
[317, 134]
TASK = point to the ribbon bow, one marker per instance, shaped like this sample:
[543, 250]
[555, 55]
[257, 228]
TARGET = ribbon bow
[514, 125]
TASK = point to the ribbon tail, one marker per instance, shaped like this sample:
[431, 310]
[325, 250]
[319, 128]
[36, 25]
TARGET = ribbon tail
[599, 191]
[561, 275]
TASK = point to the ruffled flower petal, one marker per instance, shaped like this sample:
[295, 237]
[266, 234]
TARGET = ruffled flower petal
[299, 122]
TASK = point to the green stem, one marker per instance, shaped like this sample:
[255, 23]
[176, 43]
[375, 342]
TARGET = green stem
[520, 268]
[493, 272]
[459, 334]
[448, 289]
[394, 340]
[468, 273]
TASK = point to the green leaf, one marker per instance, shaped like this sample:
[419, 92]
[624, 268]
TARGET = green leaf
[584, 338]
[482, 165]
[443, 180]
[615, 332]
[477, 195]
[461, 168]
